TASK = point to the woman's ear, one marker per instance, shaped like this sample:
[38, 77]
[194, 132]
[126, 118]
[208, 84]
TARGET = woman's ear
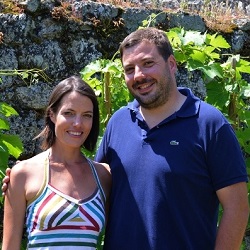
[52, 116]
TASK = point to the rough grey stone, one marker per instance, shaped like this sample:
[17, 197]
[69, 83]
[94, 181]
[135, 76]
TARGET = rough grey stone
[192, 80]
[242, 23]
[31, 5]
[8, 61]
[133, 18]
[84, 51]
[34, 96]
[49, 29]
[47, 56]
[90, 9]
[15, 28]
[188, 22]
[25, 126]
[238, 40]
[247, 240]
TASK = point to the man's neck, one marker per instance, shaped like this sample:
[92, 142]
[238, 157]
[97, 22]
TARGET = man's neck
[156, 115]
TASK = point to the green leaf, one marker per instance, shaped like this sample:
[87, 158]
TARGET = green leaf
[219, 42]
[247, 149]
[209, 49]
[180, 57]
[194, 37]
[3, 148]
[194, 64]
[246, 114]
[243, 66]
[91, 69]
[7, 110]
[245, 134]
[3, 159]
[24, 75]
[13, 143]
[112, 68]
[198, 56]
[145, 23]
[173, 36]
[248, 164]
[4, 155]
[4, 124]
[213, 70]
[216, 95]
[246, 91]
[214, 55]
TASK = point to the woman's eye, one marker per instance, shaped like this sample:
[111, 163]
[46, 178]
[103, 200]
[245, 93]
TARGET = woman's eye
[67, 113]
[88, 115]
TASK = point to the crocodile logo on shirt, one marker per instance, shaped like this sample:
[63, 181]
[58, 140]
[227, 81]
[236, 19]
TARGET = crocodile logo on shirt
[174, 143]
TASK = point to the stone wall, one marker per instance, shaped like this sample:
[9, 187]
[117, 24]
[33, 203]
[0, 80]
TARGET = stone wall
[62, 40]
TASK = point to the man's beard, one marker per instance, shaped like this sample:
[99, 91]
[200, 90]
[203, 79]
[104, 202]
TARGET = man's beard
[152, 101]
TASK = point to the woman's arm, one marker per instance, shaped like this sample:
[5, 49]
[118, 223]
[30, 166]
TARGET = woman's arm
[14, 210]
[105, 177]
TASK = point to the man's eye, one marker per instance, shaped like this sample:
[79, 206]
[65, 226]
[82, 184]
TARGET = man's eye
[149, 63]
[129, 70]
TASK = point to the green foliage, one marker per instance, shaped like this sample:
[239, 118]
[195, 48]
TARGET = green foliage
[106, 78]
[9, 144]
[198, 51]
[29, 76]
[226, 89]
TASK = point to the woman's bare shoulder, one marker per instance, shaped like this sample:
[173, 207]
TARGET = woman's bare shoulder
[25, 167]
[104, 174]
[29, 175]
[103, 168]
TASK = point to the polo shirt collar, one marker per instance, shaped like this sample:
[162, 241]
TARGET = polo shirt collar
[189, 108]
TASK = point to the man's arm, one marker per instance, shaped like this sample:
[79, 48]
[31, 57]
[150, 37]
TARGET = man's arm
[6, 180]
[234, 201]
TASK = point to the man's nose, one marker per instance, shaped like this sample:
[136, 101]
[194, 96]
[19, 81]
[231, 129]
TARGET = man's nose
[138, 73]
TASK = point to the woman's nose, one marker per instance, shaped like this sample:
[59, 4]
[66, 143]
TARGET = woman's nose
[77, 120]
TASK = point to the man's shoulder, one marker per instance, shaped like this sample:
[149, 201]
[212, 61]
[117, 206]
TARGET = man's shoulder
[210, 110]
[124, 110]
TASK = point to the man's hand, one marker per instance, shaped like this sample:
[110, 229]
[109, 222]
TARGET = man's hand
[6, 180]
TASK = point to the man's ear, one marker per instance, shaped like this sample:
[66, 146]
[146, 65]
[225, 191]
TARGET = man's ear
[172, 63]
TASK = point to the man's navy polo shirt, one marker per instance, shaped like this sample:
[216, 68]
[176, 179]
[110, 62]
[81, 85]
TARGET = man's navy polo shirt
[165, 178]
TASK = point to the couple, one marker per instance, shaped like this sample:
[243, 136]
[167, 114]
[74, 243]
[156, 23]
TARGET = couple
[173, 159]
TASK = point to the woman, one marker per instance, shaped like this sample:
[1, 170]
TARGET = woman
[60, 192]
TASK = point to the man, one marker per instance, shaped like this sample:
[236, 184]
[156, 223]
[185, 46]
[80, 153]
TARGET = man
[173, 159]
